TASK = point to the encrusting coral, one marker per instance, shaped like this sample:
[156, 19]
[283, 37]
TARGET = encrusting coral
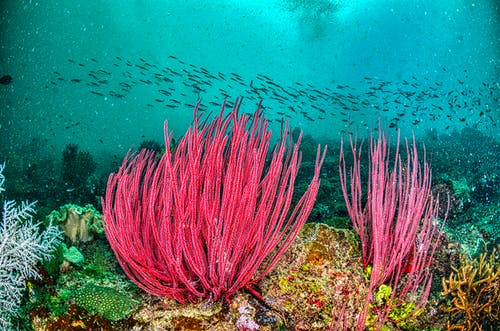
[105, 301]
[474, 289]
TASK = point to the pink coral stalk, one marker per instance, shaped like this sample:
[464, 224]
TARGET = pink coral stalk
[213, 217]
[396, 225]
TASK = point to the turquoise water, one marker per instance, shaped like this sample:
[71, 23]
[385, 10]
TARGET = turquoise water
[83, 82]
[404, 62]
[105, 75]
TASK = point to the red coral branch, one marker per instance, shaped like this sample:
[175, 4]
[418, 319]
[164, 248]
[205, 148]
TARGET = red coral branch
[397, 224]
[211, 218]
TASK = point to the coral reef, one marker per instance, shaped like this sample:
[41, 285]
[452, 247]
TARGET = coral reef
[88, 291]
[22, 246]
[79, 181]
[321, 270]
[474, 291]
[466, 168]
[320, 276]
[105, 301]
[320, 273]
[77, 166]
[198, 223]
[79, 223]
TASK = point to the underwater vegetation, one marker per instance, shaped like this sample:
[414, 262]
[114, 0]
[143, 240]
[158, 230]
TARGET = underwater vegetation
[326, 279]
[22, 247]
[466, 168]
[193, 235]
[474, 292]
[396, 220]
[39, 179]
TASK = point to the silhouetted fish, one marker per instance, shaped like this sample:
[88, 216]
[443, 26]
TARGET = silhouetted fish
[6, 79]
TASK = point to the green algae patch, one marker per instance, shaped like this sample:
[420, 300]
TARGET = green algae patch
[105, 301]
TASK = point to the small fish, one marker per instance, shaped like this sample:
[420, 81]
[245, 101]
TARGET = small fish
[142, 67]
[6, 79]
[165, 92]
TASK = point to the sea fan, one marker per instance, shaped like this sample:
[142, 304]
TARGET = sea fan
[22, 246]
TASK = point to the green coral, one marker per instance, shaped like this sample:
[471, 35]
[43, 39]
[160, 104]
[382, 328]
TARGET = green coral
[104, 301]
[461, 188]
[57, 303]
[404, 315]
[102, 263]
[401, 314]
[368, 272]
[383, 294]
[73, 255]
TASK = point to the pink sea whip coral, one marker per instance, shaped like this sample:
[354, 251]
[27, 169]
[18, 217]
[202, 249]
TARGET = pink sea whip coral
[212, 217]
[397, 224]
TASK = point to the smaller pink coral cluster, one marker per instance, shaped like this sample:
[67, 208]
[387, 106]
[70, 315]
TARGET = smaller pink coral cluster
[397, 224]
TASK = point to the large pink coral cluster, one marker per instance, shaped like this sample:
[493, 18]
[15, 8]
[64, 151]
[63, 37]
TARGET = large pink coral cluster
[212, 217]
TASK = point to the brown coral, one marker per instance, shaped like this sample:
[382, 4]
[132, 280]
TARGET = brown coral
[79, 223]
[474, 289]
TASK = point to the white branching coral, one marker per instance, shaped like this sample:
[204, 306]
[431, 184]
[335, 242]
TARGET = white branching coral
[22, 246]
